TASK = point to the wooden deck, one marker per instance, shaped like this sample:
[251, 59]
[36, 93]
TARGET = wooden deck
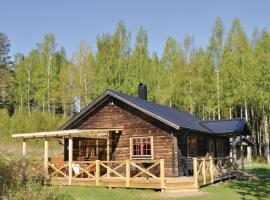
[147, 174]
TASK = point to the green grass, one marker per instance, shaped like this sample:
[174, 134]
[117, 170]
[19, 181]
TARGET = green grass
[232, 190]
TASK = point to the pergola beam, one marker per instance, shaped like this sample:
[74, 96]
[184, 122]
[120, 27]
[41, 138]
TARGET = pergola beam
[85, 133]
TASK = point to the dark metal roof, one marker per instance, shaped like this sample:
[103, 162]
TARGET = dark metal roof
[225, 125]
[173, 117]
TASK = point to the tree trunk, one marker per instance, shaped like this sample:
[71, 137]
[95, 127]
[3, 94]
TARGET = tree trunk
[246, 110]
[266, 139]
[48, 82]
[218, 95]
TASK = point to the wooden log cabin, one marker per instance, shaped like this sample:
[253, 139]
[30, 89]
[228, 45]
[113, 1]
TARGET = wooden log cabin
[117, 127]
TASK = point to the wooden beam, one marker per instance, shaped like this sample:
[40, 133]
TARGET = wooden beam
[46, 159]
[70, 159]
[89, 133]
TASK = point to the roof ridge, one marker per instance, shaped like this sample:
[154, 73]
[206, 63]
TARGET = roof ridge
[219, 120]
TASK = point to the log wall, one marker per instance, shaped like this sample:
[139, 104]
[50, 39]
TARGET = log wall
[133, 124]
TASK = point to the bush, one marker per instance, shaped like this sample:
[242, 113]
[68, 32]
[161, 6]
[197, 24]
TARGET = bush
[35, 191]
[17, 185]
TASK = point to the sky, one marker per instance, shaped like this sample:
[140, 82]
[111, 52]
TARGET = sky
[26, 21]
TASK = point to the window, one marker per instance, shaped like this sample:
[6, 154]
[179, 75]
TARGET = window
[220, 150]
[141, 147]
[211, 147]
[87, 149]
[192, 146]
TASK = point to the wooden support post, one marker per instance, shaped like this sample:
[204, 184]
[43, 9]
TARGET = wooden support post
[24, 148]
[212, 169]
[108, 154]
[97, 172]
[162, 174]
[195, 172]
[24, 161]
[204, 171]
[127, 172]
[242, 152]
[46, 159]
[108, 148]
[70, 159]
[234, 149]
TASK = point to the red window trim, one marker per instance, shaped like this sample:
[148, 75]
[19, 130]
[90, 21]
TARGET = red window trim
[141, 156]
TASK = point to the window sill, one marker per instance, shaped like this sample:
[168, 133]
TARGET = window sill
[141, 158]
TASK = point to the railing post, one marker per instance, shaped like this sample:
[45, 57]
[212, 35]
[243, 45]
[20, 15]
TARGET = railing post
[204, 170]
[195, 172]
[162, 174]
[212, 169]
[97, 172]
[46, 157]
[24, 160]
[24, 148]
[127, 172]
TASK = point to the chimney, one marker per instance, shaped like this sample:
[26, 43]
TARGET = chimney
[142, 91]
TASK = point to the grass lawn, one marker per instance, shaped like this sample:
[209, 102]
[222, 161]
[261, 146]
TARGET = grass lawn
[234, 189]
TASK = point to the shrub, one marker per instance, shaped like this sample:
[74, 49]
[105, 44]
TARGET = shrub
[17, 185]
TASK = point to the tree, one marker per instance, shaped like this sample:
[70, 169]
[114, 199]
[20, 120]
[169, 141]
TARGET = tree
[5, 72]
[215, 49]
[262, 51]
[84, 62]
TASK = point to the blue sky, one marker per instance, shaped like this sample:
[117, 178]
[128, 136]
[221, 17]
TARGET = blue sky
[26, 22]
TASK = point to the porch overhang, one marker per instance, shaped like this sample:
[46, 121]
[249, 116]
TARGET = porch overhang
[79, 133]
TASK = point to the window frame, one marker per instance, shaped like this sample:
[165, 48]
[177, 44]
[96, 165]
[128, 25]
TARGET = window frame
[211, 146]
[196, 146]
[220, 147]
[141, 157]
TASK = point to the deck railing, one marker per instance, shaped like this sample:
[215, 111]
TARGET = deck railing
[125, 173]
[208, 170]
